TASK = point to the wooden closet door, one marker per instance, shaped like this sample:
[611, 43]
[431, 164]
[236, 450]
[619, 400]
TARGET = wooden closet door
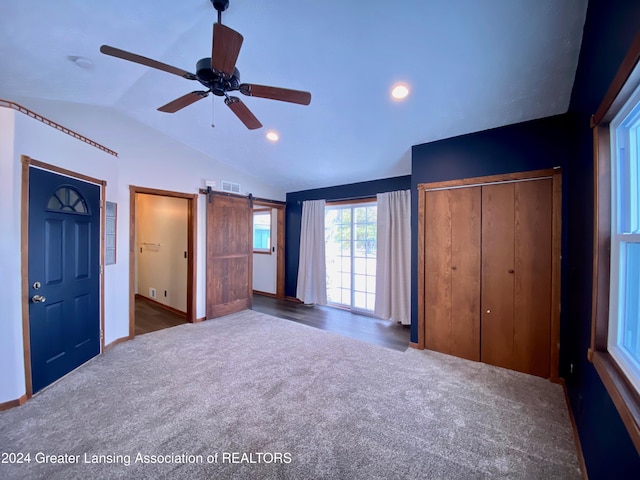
[452, 271]
[437, 301]
[465, 272]
[516, 275]
[532, 289]
[229, 254]
[497, 275]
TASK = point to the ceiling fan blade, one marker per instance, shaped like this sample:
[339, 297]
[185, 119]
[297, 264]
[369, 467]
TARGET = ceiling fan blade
[225, 48]
[132, 57]
[183, 101]
[275, 93]
[243, 112]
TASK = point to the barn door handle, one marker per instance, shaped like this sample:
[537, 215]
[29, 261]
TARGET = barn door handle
[38, 299]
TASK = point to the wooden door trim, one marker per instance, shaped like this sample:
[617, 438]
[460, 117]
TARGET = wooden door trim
[556, 274]
[556, 175]
[192, 235]
[24, 253]
[280, 240]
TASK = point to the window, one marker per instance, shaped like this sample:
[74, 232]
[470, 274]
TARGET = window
[615, 340]
[350, 239]
[623, 340]
[262, 230]
[67, 199]
[110, 233]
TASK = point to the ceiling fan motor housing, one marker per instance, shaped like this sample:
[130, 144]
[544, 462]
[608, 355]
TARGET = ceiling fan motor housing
[216, 82]
[220, 5]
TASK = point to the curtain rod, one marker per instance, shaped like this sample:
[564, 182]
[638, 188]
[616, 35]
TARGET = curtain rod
[350, 199]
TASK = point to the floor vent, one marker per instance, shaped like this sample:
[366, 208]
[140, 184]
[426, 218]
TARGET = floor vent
[230, 187]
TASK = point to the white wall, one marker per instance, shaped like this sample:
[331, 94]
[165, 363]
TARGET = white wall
[265, 266]
[146, 159]
[44, 143]
[12, 376]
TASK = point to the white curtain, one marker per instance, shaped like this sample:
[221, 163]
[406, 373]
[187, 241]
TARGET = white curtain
[312, 269]
[393, 264]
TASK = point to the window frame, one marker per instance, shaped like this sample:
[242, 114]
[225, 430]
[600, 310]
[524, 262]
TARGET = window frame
[618, 385]
[262, 211]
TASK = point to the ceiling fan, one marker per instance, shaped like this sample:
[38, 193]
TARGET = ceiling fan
[218, 74]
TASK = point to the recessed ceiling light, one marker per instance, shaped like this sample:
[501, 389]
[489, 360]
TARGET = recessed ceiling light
[272, 136]
[399, 91]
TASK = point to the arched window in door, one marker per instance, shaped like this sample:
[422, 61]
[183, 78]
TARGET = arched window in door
[68, 199]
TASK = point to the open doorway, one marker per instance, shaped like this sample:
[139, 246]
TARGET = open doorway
[162, 260]
[268, 248]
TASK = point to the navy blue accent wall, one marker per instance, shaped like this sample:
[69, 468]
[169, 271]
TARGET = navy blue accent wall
[533, 145]
[608, 33]
[294, 215]
[564, 141]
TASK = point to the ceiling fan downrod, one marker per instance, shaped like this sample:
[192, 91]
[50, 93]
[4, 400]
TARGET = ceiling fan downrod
[220, 6]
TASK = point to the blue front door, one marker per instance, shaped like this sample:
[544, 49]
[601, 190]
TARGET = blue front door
[64, 274]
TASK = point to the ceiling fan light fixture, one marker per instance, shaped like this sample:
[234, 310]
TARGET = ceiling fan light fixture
[399, 91]
[272, 136]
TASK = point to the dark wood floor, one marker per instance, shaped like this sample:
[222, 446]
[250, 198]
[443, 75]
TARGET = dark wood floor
[150, 317]
[343, 322]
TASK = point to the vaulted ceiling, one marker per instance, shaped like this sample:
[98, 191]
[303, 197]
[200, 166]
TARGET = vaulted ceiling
[471, 65]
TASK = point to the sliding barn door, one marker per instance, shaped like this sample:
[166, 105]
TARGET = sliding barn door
[229, 254]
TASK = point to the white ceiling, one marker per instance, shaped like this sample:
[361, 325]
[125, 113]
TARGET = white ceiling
[471, 65]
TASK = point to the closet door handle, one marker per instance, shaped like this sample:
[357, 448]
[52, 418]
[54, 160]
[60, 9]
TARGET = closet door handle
[511, 270]
[454, 268]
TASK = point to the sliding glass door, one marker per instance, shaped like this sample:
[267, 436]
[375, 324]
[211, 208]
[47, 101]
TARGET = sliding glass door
[350, 238]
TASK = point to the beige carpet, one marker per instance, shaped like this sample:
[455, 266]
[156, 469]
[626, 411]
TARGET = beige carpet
[254, 396]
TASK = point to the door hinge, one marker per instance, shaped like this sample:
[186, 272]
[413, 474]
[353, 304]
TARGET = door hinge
[101, 335]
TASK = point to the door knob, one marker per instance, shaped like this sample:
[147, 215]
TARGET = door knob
[38, 299]
[488, 311]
